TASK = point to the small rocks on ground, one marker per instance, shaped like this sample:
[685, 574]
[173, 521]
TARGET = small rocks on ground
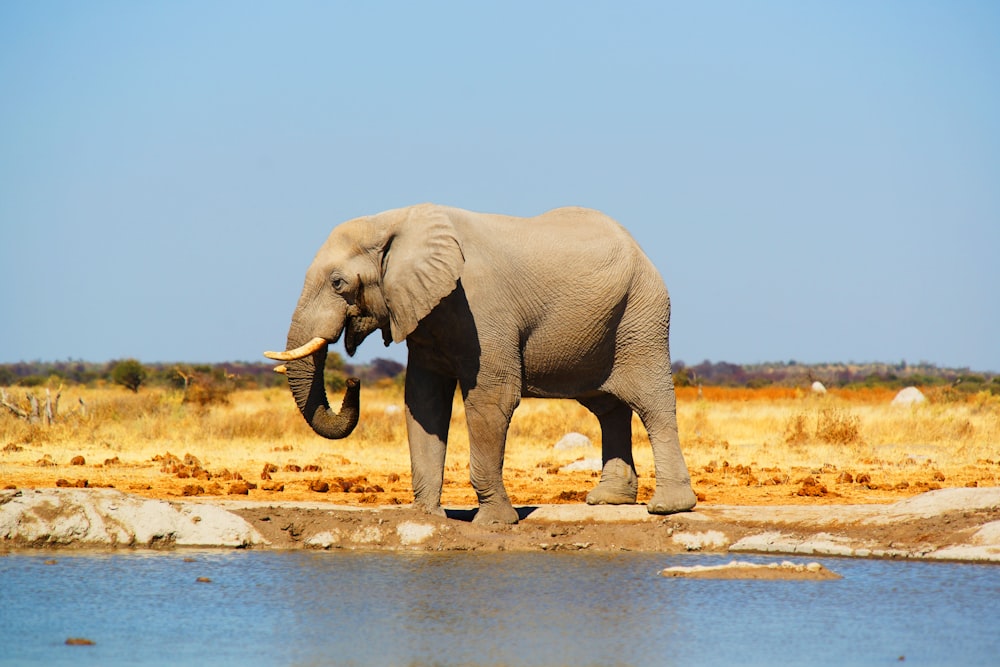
[573, 440]
[909, 396]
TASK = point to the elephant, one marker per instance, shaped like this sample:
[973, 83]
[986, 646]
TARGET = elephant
[561, 305]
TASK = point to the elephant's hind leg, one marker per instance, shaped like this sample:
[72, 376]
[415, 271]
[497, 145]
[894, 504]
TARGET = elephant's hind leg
[673, 482]
[656, 405]
[619, 484]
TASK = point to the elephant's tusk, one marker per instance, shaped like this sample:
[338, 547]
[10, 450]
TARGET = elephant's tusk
[280, 369]
[298, 353]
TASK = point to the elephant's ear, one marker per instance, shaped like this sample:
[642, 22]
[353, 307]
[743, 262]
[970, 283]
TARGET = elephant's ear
[421, 265]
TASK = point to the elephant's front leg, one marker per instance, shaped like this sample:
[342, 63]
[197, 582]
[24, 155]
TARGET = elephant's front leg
[488, 415]
[428, 398]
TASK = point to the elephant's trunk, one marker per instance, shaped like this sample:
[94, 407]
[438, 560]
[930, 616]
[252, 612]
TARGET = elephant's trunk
[305, 378]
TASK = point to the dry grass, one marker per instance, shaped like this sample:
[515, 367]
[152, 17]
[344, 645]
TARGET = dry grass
[741, 445]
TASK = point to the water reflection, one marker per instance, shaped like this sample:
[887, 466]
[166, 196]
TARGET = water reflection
[307, 608]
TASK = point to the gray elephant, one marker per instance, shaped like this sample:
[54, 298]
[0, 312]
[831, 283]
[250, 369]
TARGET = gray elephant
[562, 305]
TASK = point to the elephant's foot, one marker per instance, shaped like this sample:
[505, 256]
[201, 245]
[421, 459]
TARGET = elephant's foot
[677, 497]
[495, 512]
[618, 486]
[428, 508]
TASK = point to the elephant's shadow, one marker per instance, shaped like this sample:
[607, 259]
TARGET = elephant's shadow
[468, 515]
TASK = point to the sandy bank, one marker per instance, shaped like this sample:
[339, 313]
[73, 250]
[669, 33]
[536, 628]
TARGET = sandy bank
[949, 524]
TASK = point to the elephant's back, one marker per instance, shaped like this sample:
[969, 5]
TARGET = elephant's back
[561, 244]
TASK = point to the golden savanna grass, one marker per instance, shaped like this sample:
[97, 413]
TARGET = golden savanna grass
[743, 446]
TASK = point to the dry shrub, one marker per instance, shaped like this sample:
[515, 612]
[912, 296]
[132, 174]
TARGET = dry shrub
[696, 428]
[270, 424]
[833, 426]
[18, 431]
[380, 425]
[796, 430]
[121, 407]
[838, 427]
[204, 395]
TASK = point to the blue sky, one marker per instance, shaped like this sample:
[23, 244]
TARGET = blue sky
[815, 181]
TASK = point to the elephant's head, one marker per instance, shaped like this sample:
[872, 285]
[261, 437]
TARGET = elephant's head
[384, 272]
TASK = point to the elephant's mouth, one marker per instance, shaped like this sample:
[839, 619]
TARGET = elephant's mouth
[356, 329]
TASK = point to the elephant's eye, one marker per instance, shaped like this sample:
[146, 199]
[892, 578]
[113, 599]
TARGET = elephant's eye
[338, 283]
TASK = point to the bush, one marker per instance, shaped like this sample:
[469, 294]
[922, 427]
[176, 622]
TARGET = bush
[129, 373]
[204, 385]
[334, 373]
[838, 427]
[835, 427]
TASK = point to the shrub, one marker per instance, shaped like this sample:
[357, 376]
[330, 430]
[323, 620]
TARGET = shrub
[838, 427]
[796, 432]
[129, 373]
[833, 426]
[333, 372]
[204, 385]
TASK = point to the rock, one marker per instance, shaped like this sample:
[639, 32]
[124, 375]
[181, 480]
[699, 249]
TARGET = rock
[743, 570]
[77, 461]
[573, 440]
[908, 396]
[367, 535]
[588, 465]
[811, 488]
[710, 539]
[109, 518]
[571, 496]
[324, 539]
[319, 486]
[239, 489]
[818, 388]
[410, 532]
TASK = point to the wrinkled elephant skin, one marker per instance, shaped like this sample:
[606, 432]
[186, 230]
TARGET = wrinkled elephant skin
[562, 305]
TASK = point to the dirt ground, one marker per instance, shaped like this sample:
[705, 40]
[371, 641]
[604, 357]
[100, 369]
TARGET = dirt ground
[959, 523]
[591, 529]
[167, 476]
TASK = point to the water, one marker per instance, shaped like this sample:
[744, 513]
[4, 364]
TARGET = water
[338, 608]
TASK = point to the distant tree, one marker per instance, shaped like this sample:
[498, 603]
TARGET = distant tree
[378, 369]
[386, 368]
[129, 373]
[334, 372]
[683, 376]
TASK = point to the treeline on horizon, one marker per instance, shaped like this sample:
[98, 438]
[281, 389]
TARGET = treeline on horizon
[250, 375]
[133, 374]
